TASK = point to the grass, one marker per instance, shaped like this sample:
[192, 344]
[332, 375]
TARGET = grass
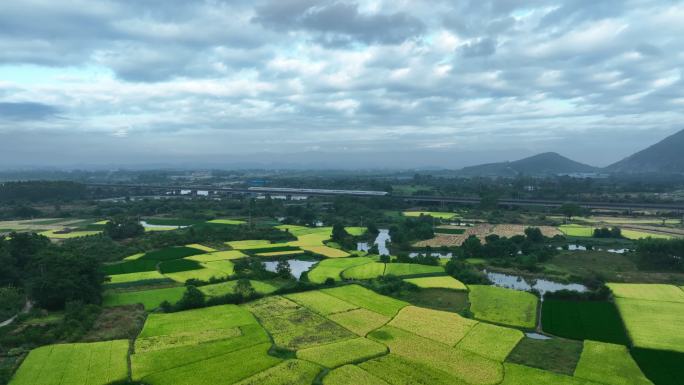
[295, 327]
[584, 320]
[135, 277]
[634, 234]
[445, 282]
[434, 214]
[55, 234]
[609, 364]
[217, 256]
[577, 230]
[178, 265]
[503, 306]
[397, 370]
[491, 341]
[365, 271]
[201, 247]
[233, 222]
[150, 299]
[653, 324]
[523, 375]
[651, 292]
[443, 327]
[320, 302]
[292, 372]
[438, 299]
[170, 253]
[466, 366]
[557, 354]
[351, 374]
[661, 367]
[224, 288]
[367, 299]
[359, 321]
[342, 353]
[127, 267]
[98, 363]
[332, 268]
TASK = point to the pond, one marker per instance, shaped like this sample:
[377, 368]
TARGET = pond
[147, 225]
[584, 248]
[438, 255]
[543, 286]
[297, 266]
[381, 240]
[537, 336]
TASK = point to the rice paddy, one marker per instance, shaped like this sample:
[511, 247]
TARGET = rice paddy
[444, 327]
[577, 230]
[351, 374]
[217, 256]
[61, 234]
[333, 268]
[609, 364]
[320, 302]
[491, 341]
[445, 282]
[367, 299]
[150, 299]
[653, 324]
[503, 306]
[98, 363]
[342, 353]
[233, 222]
[650, 292]
[225, 288]
[584, 320]
[136, 277]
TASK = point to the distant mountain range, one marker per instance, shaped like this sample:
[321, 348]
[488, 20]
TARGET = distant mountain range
[666, 156]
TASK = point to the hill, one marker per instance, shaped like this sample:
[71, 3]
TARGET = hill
[666, 156]
[549, 163]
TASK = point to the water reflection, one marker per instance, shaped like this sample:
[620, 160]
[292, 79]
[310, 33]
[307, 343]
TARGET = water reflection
[439, 255]
[297, 266]
[148, 225]
[381, 240]
[543, 286]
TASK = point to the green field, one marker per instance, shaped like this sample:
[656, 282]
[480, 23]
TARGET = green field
[365, 271]
[203, 274]
[377, 269]
[351, 375]
[321, 303]
[577, 230]
[503, 306]
[397, 370]
[97, 363]
[288, 372]
[558, 355]
[651, 292]
[359, 321]
[333, 268]
[653, 324]
[133, 266]
[434, 214]
[170, 253]
[445, 282]
[217, 256]
[57, 234]
[444, 327]
[233, 222]
[342, 353]
[491, 341]
[635, 234]
[524, 375]
[151, 299]
[367, 299]
[178, 265]
[660, 366]
[584, 320]
[609, 364]
[136, 277]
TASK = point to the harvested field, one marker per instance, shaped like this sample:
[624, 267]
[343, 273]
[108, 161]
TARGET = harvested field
[233, 222]
[201, 247]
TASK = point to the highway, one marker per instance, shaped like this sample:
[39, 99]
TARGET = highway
[677, 207]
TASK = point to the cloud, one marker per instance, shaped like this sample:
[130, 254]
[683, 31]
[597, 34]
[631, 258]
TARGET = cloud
[287, 75]
[27, 111]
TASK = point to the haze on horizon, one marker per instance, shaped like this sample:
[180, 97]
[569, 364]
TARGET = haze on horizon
[412, 82]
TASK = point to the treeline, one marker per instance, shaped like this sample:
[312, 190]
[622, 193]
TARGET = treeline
[661, 254]
[41, 191]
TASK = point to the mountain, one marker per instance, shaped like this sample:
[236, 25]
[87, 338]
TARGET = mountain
[548, 163]
[666, 156]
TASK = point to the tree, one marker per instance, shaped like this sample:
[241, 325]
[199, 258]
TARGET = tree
[570, 210]
[283, 269]
[472, 247]
[339, 234]
[372, 229]
[244, 288]
[534, 235]
[385, 258]
[193, 298]
[123, 227]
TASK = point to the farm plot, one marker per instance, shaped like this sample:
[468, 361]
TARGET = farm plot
[326, 251]
[434, 214]
[332, 268]
[365, 271]
[166, 348]
[225, 288]
[397, 370]
[150, 299]
[280, 253]
[409, 269]
[367, 299]
[636, 234]
[445, 282]
[651, 292]
[98, 363]
[466, 366]
[662, 367]
[201, 247]
[525, 375]
[135, 277]
[351, 375]
[480, 231]
[342, 353]
[170, 253]
[320, 302]
[510, 230]
[584, 320]
[293, 326]
[64, 234]
[503, 306]
[178, 265]
[653, 324]
[248, 244]
[577, 230]
[609, 364]
[445, 327]
[290, 372]
[127, 267]
[491, 341]
[557, 355]
[217, 256]
[233, 222]
[359, 321]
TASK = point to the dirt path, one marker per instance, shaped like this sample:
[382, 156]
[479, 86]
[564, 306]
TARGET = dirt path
[27, 308]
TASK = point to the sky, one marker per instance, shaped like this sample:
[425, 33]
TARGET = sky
[378, 83]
